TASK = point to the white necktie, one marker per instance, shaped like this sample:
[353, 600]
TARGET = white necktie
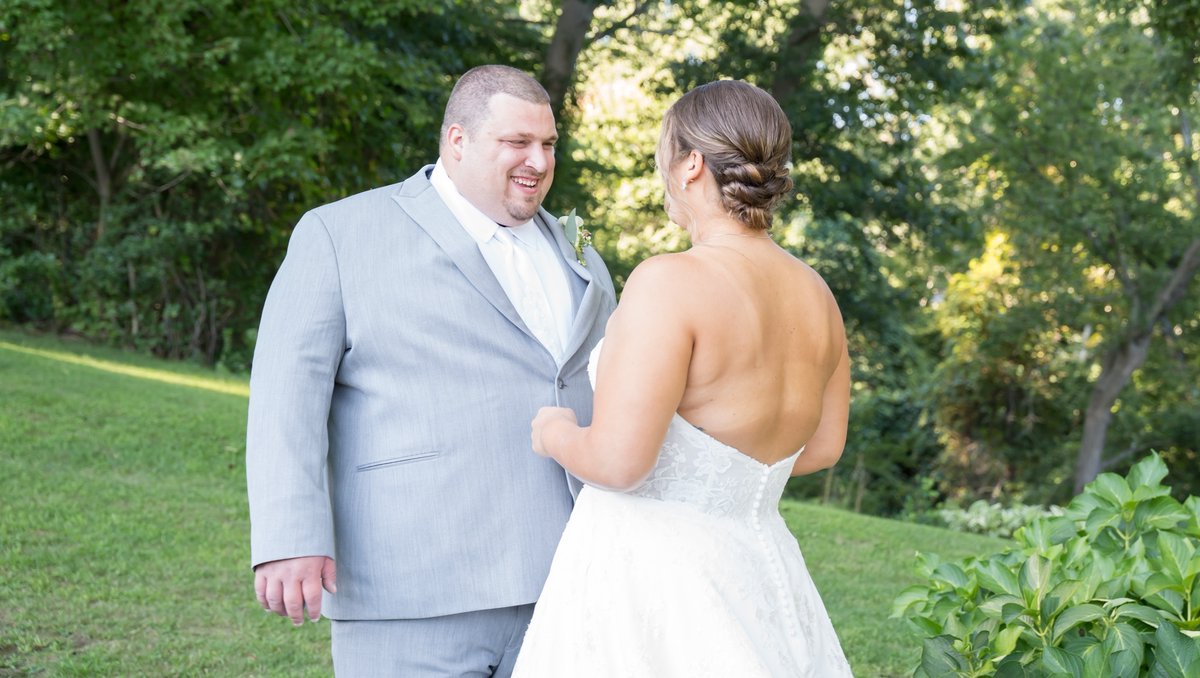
[529, 297]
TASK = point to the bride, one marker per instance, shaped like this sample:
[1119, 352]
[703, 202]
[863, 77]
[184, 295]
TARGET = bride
[723, 372]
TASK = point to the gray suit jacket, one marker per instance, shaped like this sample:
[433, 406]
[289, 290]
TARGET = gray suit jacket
[390, 400]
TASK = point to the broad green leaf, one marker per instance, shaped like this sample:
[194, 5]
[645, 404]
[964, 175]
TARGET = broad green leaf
[913, 596]
[1168, 602]
[1093, 652]
[998, 578]
[1006, 640]
[1148, 472]
[1174, 653]
[1059, 597]
[1095, 661]
[1114, 587]
[1061, 662]
[1143, 613]
[939, 658]
[995, 605]
[1073, 616]
[570, 229]
[1034, 579]
[1175, 555]
[953, 575]
[979, 641]
[926, 563]
[1100, 518]
[1146, 493]
[1193, 508]
[1124, 663]
[1010, 612]
[1159, 513]
[1159, 581]
[927, 626]
[1061, 529]
[1035, 536]
[1112, 488]
[1082, 506]
[959, 625]
[1011, 668]
[1195, 595]
[1122, 637]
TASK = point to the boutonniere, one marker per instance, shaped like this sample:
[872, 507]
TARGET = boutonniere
[577, 235]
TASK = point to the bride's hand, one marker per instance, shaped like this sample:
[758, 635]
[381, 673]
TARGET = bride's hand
[547, 417]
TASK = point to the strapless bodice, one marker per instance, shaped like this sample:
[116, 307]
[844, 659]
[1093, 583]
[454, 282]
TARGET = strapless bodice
[697, 469]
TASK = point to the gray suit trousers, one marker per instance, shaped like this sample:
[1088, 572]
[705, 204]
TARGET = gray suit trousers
[477, 644]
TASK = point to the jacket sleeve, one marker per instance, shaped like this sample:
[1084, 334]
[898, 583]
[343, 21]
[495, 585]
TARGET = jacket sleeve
[300, 343]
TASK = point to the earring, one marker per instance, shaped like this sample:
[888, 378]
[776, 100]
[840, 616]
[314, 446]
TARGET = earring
[684, 185]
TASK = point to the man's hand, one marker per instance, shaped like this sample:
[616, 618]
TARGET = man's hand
[286, 587]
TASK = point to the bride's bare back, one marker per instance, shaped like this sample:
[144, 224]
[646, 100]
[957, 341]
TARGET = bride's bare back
[735, 335]
[742, 340]
[768, 339]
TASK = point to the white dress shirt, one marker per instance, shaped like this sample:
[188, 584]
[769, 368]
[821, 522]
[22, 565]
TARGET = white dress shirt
[496, 250]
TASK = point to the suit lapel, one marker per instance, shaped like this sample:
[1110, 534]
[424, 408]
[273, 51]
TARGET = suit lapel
[588, 305]
[420, 201]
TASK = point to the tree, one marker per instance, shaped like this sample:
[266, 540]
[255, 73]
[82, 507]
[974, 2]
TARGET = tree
[857, 79]
[1087, 146]
[159, 153]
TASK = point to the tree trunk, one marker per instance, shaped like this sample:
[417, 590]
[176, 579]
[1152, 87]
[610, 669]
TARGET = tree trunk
[103, 179]
[795, 57]
[574, 22]
[1120, 364]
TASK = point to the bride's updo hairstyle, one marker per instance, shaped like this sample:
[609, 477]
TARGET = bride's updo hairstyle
[746, 142]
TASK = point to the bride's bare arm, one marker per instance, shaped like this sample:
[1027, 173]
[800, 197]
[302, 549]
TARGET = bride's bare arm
[639, 382]
[825, 446]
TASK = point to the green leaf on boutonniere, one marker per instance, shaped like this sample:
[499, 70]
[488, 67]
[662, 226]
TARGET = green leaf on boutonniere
[576, 234]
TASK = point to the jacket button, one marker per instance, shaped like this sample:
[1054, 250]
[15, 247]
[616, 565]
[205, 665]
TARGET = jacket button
[561, 383]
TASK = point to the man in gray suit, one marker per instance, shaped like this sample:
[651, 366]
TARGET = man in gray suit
[409, 337]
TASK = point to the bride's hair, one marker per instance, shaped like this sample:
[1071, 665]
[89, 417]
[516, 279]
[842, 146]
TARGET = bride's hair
[746, 142]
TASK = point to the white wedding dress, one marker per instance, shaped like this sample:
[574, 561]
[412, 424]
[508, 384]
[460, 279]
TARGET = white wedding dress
[693, 573]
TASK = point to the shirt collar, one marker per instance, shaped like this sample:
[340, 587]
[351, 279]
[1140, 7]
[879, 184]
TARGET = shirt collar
[476, 223]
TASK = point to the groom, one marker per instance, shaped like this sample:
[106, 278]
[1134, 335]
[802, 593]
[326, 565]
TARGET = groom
[409, 337]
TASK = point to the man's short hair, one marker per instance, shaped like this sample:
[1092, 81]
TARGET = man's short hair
[468, 104]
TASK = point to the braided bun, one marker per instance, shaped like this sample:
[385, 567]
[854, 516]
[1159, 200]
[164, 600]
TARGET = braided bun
[751, 191]
[746, 142]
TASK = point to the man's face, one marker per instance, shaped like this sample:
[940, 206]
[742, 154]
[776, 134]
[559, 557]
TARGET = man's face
[505, 167]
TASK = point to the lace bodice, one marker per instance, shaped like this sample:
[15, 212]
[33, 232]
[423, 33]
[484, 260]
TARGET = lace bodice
[697, 469]
[693, 574]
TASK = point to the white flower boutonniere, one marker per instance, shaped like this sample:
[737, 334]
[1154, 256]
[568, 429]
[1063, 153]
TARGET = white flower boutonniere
[577, 235]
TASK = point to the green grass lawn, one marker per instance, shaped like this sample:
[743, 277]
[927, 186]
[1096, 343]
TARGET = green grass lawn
[123, 532]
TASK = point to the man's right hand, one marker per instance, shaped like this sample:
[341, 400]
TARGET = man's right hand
[287, 587]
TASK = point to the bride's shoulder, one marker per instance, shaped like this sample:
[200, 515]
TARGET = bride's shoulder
[663, 273]
[668, 267]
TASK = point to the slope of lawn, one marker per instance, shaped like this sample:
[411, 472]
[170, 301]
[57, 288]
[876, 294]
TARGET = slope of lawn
[123, 533]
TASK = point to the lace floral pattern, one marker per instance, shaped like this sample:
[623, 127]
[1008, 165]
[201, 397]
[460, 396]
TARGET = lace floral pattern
[696, 469]
[693, 573]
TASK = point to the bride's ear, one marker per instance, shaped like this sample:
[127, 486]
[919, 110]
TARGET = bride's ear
[693, 166]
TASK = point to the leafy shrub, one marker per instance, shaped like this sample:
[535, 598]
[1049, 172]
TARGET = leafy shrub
[1110, 588]
[993, 519]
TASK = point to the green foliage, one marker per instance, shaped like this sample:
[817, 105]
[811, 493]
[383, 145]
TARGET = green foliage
[993, 190]
[1110, 588]
[992, 518]
[156, 155]
[1080, 178]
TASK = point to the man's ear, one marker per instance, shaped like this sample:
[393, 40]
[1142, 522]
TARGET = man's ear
[455, 139]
